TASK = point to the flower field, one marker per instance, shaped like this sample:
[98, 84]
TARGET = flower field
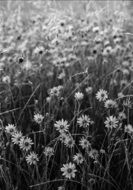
[66, 98]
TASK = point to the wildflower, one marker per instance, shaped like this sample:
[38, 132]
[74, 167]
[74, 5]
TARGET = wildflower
[96, 29]
[36, 102]
[110, 104]
[123, 83]
[48, 99]
[89, 90]
[78, 158]
[93, 154]
[49, 151]
[55, 91]
[69, 142]
[84, 143]
[117, 40]
[61, 188]
[101, 95]
[125, 72]
[129, 129]
[98, 40]
[120, 95]
[32, 158]
[79, 96]
[50, 74]
[102, 151]
[6, 79]
[38, 118]
[61, 75]
[125, 64]
[61, 126]
[38, 50]
[84, 121]
[121, 116]
[107, 51]
[63, 137]
[25, 143]
[111, 122]
[106, 43]
[69, 170]
[16, 137]
[10, 128]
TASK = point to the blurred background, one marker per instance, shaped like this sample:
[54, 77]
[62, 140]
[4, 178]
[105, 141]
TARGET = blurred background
[27, 7]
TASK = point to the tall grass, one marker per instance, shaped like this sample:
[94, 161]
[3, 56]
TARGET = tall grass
[66, 98]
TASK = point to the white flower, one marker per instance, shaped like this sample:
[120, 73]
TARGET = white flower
[32, 158]
[120, 95]
[84, 121]
[25, 143]
[123, 82]
[101, 95]
[93, 154]
[121, 116]
[16, 137]
[102, 151]
[106, 43]
[38, 118]
[63, 137]
[6, 79]
[89, 90]
[61, 126]
[107, 50]
[10, 128]
[111, 122]
[78, 158]
[48, 99]
[61, 75]
[126, 64]
[55, 91]
[38, 50]
[96, 29]
[49, 151]
[69, 170]
[61, 188]
[126, 72]
[117, 40]
[110, 104]
[69, 142]
[79, 96]
[84, 143]
[129, 129]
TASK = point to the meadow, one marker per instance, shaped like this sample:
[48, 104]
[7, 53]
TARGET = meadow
[66, 97]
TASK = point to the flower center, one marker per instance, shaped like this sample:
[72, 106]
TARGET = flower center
[61, 126]
[102, 95]
[69, 170]
[39, 119]
[18, 138]
[70, 142]
[110, 123]
[11, 130]
[85, 142]
[26, 144]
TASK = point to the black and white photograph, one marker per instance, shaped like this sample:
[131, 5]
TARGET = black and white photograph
[66, 95]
